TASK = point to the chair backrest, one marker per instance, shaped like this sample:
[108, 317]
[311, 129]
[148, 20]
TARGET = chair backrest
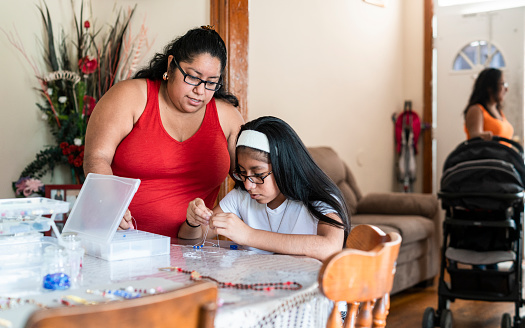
[190, 306]
[361, 275]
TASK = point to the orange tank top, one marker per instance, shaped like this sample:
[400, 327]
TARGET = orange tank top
[501, 128]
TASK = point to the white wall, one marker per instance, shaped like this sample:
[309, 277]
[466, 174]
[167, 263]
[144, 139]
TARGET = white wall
[22, 132]
[336, 71]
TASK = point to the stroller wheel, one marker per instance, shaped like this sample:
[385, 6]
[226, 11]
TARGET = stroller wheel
[429, 318]
[446, 319]
[506, 321]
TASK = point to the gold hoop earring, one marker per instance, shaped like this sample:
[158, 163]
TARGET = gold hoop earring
[165, 76]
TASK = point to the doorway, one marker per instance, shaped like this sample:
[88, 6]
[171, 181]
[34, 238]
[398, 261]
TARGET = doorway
[466, 42]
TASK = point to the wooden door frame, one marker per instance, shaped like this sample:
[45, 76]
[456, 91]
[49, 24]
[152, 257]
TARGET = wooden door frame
[231, 20]
[428, 152]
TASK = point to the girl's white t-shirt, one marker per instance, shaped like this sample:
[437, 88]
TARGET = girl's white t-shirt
[291, 217]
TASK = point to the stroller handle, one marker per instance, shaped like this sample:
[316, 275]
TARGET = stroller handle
[514, 144]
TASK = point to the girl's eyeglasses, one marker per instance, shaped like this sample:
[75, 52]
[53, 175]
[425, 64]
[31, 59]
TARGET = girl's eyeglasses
[257, 179]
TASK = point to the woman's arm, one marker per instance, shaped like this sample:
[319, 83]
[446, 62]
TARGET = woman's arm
[231, 121]
[474, 123]
[329, 239]
[198, 215]
[111, 121]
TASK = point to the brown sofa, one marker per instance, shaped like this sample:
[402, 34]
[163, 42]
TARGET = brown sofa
[414, 216]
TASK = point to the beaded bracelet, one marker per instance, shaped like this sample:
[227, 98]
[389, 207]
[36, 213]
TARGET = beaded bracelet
[125, 293]
[267, 286]
[8, 303]
[191, 225]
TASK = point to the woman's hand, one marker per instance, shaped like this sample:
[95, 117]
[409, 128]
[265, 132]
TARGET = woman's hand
[486, 135]
[126, 222]
[197, 213]
[230, 226]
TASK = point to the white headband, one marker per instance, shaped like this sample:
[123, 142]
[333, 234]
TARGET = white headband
[254, 139]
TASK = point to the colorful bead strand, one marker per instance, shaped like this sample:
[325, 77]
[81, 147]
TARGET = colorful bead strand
[266, 286]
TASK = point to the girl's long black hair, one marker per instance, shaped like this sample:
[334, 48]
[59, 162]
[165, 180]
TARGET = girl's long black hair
[297, 175]
[486, 87]
[184, 49]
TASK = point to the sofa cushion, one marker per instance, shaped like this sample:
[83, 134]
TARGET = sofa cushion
[411, 227]
[399, 203]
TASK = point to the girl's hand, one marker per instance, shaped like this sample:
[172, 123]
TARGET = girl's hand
[198, 213]
[230, 226]
[126, 222]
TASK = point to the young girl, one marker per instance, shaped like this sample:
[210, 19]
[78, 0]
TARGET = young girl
[282, 201]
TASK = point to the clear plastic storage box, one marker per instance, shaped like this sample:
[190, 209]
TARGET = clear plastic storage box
[97, 213]
[31, 207]
[22, 245]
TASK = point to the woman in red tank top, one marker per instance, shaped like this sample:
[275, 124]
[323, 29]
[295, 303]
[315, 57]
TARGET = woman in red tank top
[483, 116]
[173, 127]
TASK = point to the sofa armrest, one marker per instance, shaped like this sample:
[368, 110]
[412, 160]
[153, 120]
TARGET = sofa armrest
[399, 204]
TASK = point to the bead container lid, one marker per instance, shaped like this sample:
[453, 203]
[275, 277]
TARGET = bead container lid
[100, 206]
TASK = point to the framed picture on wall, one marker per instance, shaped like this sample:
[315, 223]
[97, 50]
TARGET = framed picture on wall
[68, 193]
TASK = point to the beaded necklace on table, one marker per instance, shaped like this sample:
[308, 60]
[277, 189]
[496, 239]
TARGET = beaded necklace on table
[194, 275]
[7, 303]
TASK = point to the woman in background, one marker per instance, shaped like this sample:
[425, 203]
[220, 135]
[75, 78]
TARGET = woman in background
[484, 116]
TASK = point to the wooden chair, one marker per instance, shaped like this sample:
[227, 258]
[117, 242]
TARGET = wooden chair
[190, 306]
[361, 275]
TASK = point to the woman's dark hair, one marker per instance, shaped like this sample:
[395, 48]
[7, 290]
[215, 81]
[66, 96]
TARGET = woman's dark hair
[298, 177]
[184, 49]
[486, 87]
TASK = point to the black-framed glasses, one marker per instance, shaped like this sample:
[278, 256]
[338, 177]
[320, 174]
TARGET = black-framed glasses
[257, 179]
[195, 81]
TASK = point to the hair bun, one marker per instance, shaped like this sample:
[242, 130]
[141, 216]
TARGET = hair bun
[208, 27]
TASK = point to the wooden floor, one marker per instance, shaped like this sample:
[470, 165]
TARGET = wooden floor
[406, 310]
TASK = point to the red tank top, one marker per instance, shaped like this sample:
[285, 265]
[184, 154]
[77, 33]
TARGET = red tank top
[172, 173]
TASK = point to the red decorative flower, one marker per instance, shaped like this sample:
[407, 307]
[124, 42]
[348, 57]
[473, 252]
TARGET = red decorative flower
[74, 153]
[87, 66]
[86, 24]
[89, 105]
[77, 162]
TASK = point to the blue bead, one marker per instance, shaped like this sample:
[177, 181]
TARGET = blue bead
[56, 281]
[233, 246]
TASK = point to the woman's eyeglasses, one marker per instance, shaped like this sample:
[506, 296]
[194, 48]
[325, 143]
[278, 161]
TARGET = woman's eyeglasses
[257, 179]
[195, 81]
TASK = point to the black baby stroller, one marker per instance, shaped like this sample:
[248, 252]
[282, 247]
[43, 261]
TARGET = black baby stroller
[482, 193]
